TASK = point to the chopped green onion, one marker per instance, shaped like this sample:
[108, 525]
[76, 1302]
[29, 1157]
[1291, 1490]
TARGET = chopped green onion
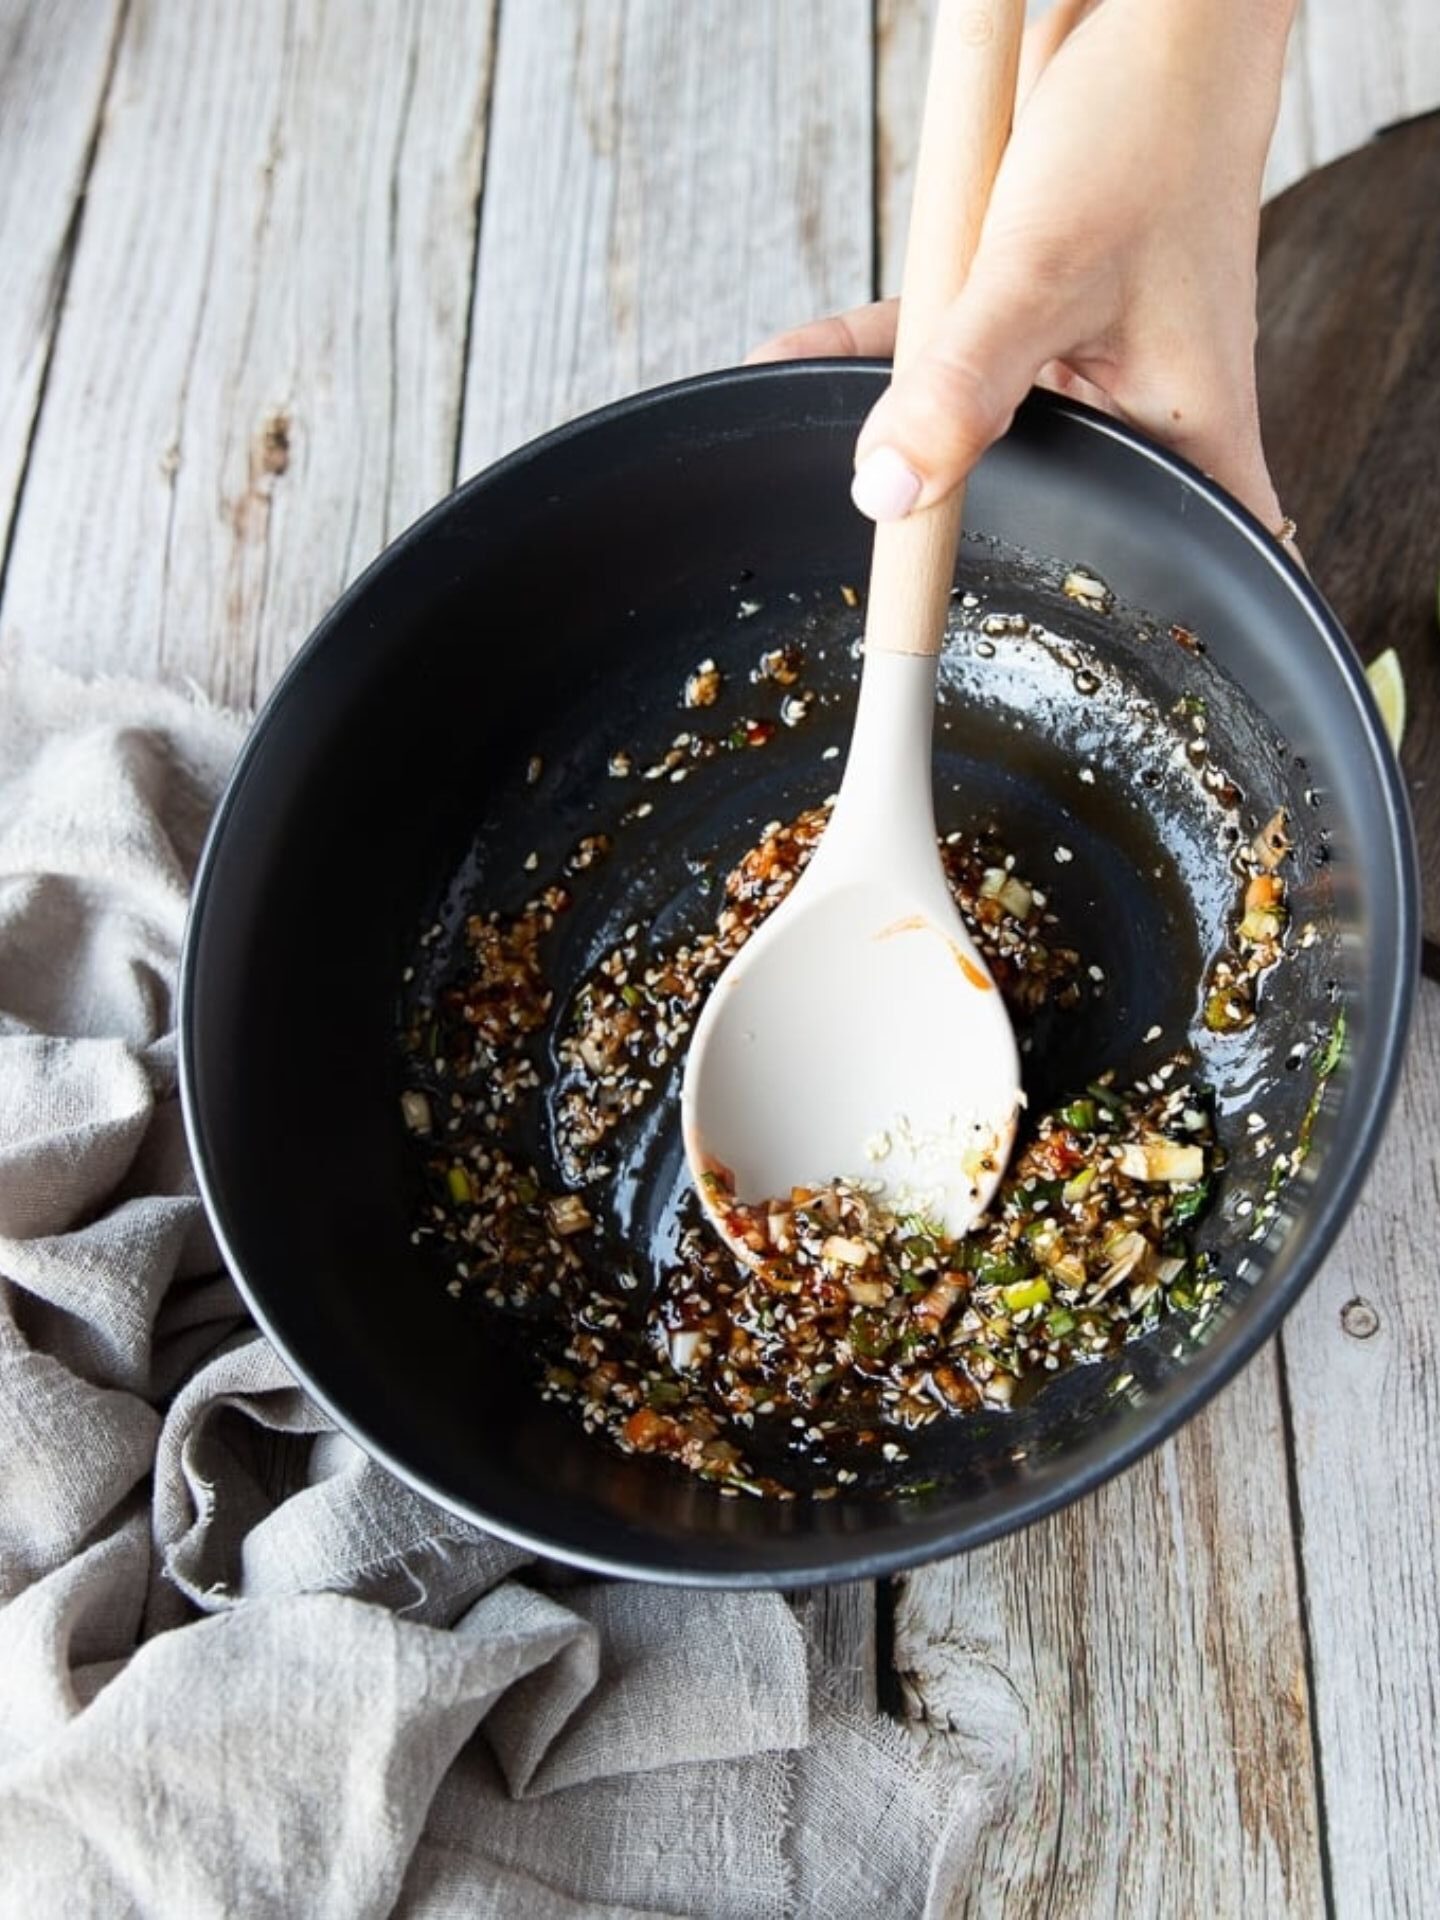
[1077, 1188]
[632, 996]
[1327, 1058]
[1190, 1204]
[461, 1191]
[870, 1335]
[998, 1269]
[919, 1228]
[1080, 1114]
[1025, 1293]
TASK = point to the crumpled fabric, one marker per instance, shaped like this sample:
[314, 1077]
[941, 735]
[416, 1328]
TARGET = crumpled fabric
[243, 1670]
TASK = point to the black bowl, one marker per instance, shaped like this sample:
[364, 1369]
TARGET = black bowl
[560, 598]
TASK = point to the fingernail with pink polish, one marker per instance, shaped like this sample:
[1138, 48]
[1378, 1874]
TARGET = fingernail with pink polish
[885, 486]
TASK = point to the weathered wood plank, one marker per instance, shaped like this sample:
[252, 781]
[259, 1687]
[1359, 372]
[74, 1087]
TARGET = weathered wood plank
[256, 378]
[54, 66]
[666, 186]
[1355, 66]
[1127, 1679]
[1362, 1364]
[840, 1625]
[902, 51]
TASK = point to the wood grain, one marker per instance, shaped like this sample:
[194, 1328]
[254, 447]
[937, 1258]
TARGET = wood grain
[1362, 1362]
[54, 66]
[839, 1622]
[1350, 405]
[1355, 66]
[902, 52]
[666, 187]
[257, 375]
[1128, 1681]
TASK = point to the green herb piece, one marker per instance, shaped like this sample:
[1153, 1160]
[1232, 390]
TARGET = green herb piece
[1043, 1192]
[1025, 1293]
[913, 1487]
[1059, 1321]
[1327, 1057]
[458, 1182]
[632, 996]
[1080, 1114]
[1077, 1188]
[1190, 1204]
[999, 1269]
[870, 1335]
[917, 1227]
[664, 1393]
[526, 1191]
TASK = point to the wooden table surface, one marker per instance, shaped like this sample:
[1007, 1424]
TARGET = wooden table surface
[274, 274]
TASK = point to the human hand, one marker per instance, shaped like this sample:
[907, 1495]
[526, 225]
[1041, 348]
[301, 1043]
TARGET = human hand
[1117, 258]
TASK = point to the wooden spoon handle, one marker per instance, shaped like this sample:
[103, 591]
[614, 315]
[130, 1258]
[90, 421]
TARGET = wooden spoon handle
[969, 102]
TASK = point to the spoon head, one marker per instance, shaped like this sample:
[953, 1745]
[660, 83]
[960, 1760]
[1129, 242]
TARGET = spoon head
[858, 1035]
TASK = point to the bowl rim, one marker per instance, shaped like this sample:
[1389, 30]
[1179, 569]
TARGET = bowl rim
[1203, 1376]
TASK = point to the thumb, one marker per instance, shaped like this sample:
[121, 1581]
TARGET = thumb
[937, 417]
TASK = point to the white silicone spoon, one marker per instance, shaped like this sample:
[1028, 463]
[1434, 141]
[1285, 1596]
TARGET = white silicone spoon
[858, 1034]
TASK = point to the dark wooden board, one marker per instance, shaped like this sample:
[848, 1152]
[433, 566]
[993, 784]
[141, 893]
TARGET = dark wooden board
[1350, 404]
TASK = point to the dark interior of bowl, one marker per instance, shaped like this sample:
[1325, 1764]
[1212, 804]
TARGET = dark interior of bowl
[554, 607]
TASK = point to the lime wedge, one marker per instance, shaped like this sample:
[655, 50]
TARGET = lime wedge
[1387, 683]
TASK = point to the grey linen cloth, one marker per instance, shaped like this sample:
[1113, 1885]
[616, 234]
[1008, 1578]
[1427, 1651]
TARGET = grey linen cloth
[242, 1669]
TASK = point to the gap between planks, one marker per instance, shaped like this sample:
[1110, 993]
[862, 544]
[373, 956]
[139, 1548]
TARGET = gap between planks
[51, 109]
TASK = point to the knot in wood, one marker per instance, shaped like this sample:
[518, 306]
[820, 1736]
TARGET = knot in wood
[1359, 1319]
